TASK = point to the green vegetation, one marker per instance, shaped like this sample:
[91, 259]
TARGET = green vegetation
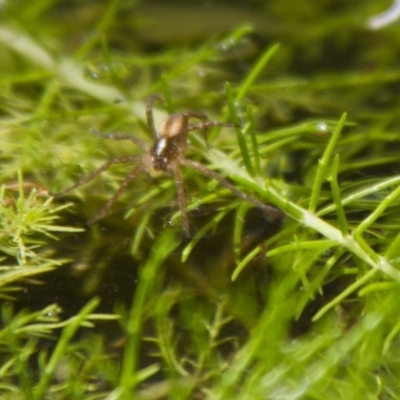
[247, 308]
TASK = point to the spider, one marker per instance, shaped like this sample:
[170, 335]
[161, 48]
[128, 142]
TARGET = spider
[167, 154]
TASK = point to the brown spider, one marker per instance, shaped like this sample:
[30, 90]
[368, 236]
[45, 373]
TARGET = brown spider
[166, 154]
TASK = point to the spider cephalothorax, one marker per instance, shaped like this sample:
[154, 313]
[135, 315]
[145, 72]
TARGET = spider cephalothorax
[167, 154]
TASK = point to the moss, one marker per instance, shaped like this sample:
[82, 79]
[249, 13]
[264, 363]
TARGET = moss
[248, 307]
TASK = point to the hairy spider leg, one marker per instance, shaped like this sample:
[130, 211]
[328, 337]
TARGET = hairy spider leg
[121, 136]
[98, 171]
[181, 197]
[130, 177]
[205, 125]
[196, 114]
[208, 124]
[270, 211]
[201, 126]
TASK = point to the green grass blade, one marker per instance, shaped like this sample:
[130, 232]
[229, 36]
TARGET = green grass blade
[255, 72]
[62, 344]
[324, 163]
[336, 196]
[239, 132]
[345, 293]
[163, 246]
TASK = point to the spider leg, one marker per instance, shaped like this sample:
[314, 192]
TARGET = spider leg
[121, 136]
[198, 115]
[181, 198]
[208, 124]
[195, 114]
[272, 212]
[129, 178]
[98, 171]
[205, 123]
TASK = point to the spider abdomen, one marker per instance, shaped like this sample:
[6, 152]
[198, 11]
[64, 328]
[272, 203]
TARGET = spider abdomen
[166, 150]
[172, 142]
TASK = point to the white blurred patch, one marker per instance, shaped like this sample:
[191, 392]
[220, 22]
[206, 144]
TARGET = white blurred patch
[386, 18]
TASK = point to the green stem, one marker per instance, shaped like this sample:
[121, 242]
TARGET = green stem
[61, 348]
[323, 165]
[163, 246]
